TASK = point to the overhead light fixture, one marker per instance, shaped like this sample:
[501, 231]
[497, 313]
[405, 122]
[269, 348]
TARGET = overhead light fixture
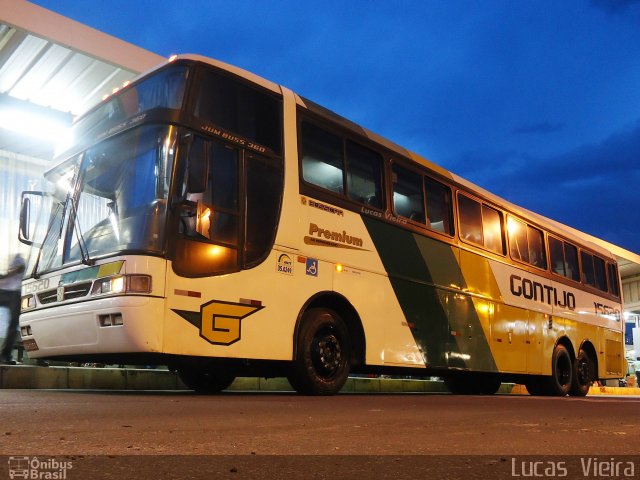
[33, 125]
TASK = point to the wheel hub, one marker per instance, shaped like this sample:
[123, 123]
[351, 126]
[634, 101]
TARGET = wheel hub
[583, 372]
[327, 353]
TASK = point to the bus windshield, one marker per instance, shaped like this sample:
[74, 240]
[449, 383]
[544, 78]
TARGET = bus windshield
[111, 194]
[117, 202]
[164, 90]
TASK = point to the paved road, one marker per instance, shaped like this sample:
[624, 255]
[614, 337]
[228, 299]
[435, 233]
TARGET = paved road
[79, 423]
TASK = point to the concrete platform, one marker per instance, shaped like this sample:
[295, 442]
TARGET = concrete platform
[78, 378]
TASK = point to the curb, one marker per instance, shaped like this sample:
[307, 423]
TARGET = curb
[79, 378]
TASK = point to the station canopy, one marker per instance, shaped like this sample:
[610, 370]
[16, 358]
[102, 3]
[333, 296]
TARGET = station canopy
[52, 69]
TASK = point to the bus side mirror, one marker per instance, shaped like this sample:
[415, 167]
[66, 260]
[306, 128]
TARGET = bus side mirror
[25, 216]
[24, 232]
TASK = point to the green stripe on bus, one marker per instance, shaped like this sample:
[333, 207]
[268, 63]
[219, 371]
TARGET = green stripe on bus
[426, 280]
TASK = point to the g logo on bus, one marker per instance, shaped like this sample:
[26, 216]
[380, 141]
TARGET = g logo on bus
[220, 322]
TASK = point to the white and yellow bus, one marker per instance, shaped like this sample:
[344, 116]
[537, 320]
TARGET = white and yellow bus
[209, 220]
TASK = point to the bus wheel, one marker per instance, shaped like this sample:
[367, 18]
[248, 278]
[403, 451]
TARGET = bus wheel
[583, 375]
[205, 381]
[536, 386]
[489, 385]
[561, 372]
[323, 355]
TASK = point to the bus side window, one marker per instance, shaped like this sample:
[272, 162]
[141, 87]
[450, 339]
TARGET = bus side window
[408, 199]
[263, 193]
[600, 273]
[564, 259]
[571, 261]
[470, 214]
[588, 276]
[556, 256]
[322, 163]
[537, 256]
[364, 175]
[614, 287]
[526, 243]
[438, 206]
[492, 229]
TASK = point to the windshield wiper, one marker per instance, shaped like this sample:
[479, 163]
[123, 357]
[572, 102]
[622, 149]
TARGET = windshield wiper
[34, 272]
[84, 251]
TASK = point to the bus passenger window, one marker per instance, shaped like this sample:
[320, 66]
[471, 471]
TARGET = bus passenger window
[408, 198]
[571, 261]
[600, 274]
[614, 287]
[364, 175]
[438, 206]
[470, 213]
[322, 163]
[492, 229]
[556, 256]
[588, 276]
[518, 245]
[564, 259]
[537, 256]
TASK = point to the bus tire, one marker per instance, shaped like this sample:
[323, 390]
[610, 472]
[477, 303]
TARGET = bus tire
[205, 381]
[537, 386]
[561, 372]
[489, 385]
[583, 375]
[323, 356]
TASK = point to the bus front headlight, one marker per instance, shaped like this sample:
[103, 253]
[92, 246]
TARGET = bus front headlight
[122, 284]
[27, 302]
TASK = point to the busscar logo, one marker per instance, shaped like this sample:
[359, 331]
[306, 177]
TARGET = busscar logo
[220, 322]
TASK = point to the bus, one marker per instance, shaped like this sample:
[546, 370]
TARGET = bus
[212, 221]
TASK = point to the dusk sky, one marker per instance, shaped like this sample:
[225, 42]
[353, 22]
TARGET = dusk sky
[536, 101]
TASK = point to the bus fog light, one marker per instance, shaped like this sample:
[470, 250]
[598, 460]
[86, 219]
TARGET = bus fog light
[110, 319]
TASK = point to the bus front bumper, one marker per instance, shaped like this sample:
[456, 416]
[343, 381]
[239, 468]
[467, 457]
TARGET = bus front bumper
[124, 324]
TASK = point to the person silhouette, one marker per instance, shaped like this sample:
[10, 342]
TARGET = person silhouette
[10, 299]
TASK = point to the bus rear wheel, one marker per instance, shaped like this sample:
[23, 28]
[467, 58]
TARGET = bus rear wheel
[323, 354]
[205, 380]
[561, 372]
[583, 375]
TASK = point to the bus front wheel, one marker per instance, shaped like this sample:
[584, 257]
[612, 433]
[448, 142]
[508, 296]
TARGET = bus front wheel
[205, 381]
[323, 354]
